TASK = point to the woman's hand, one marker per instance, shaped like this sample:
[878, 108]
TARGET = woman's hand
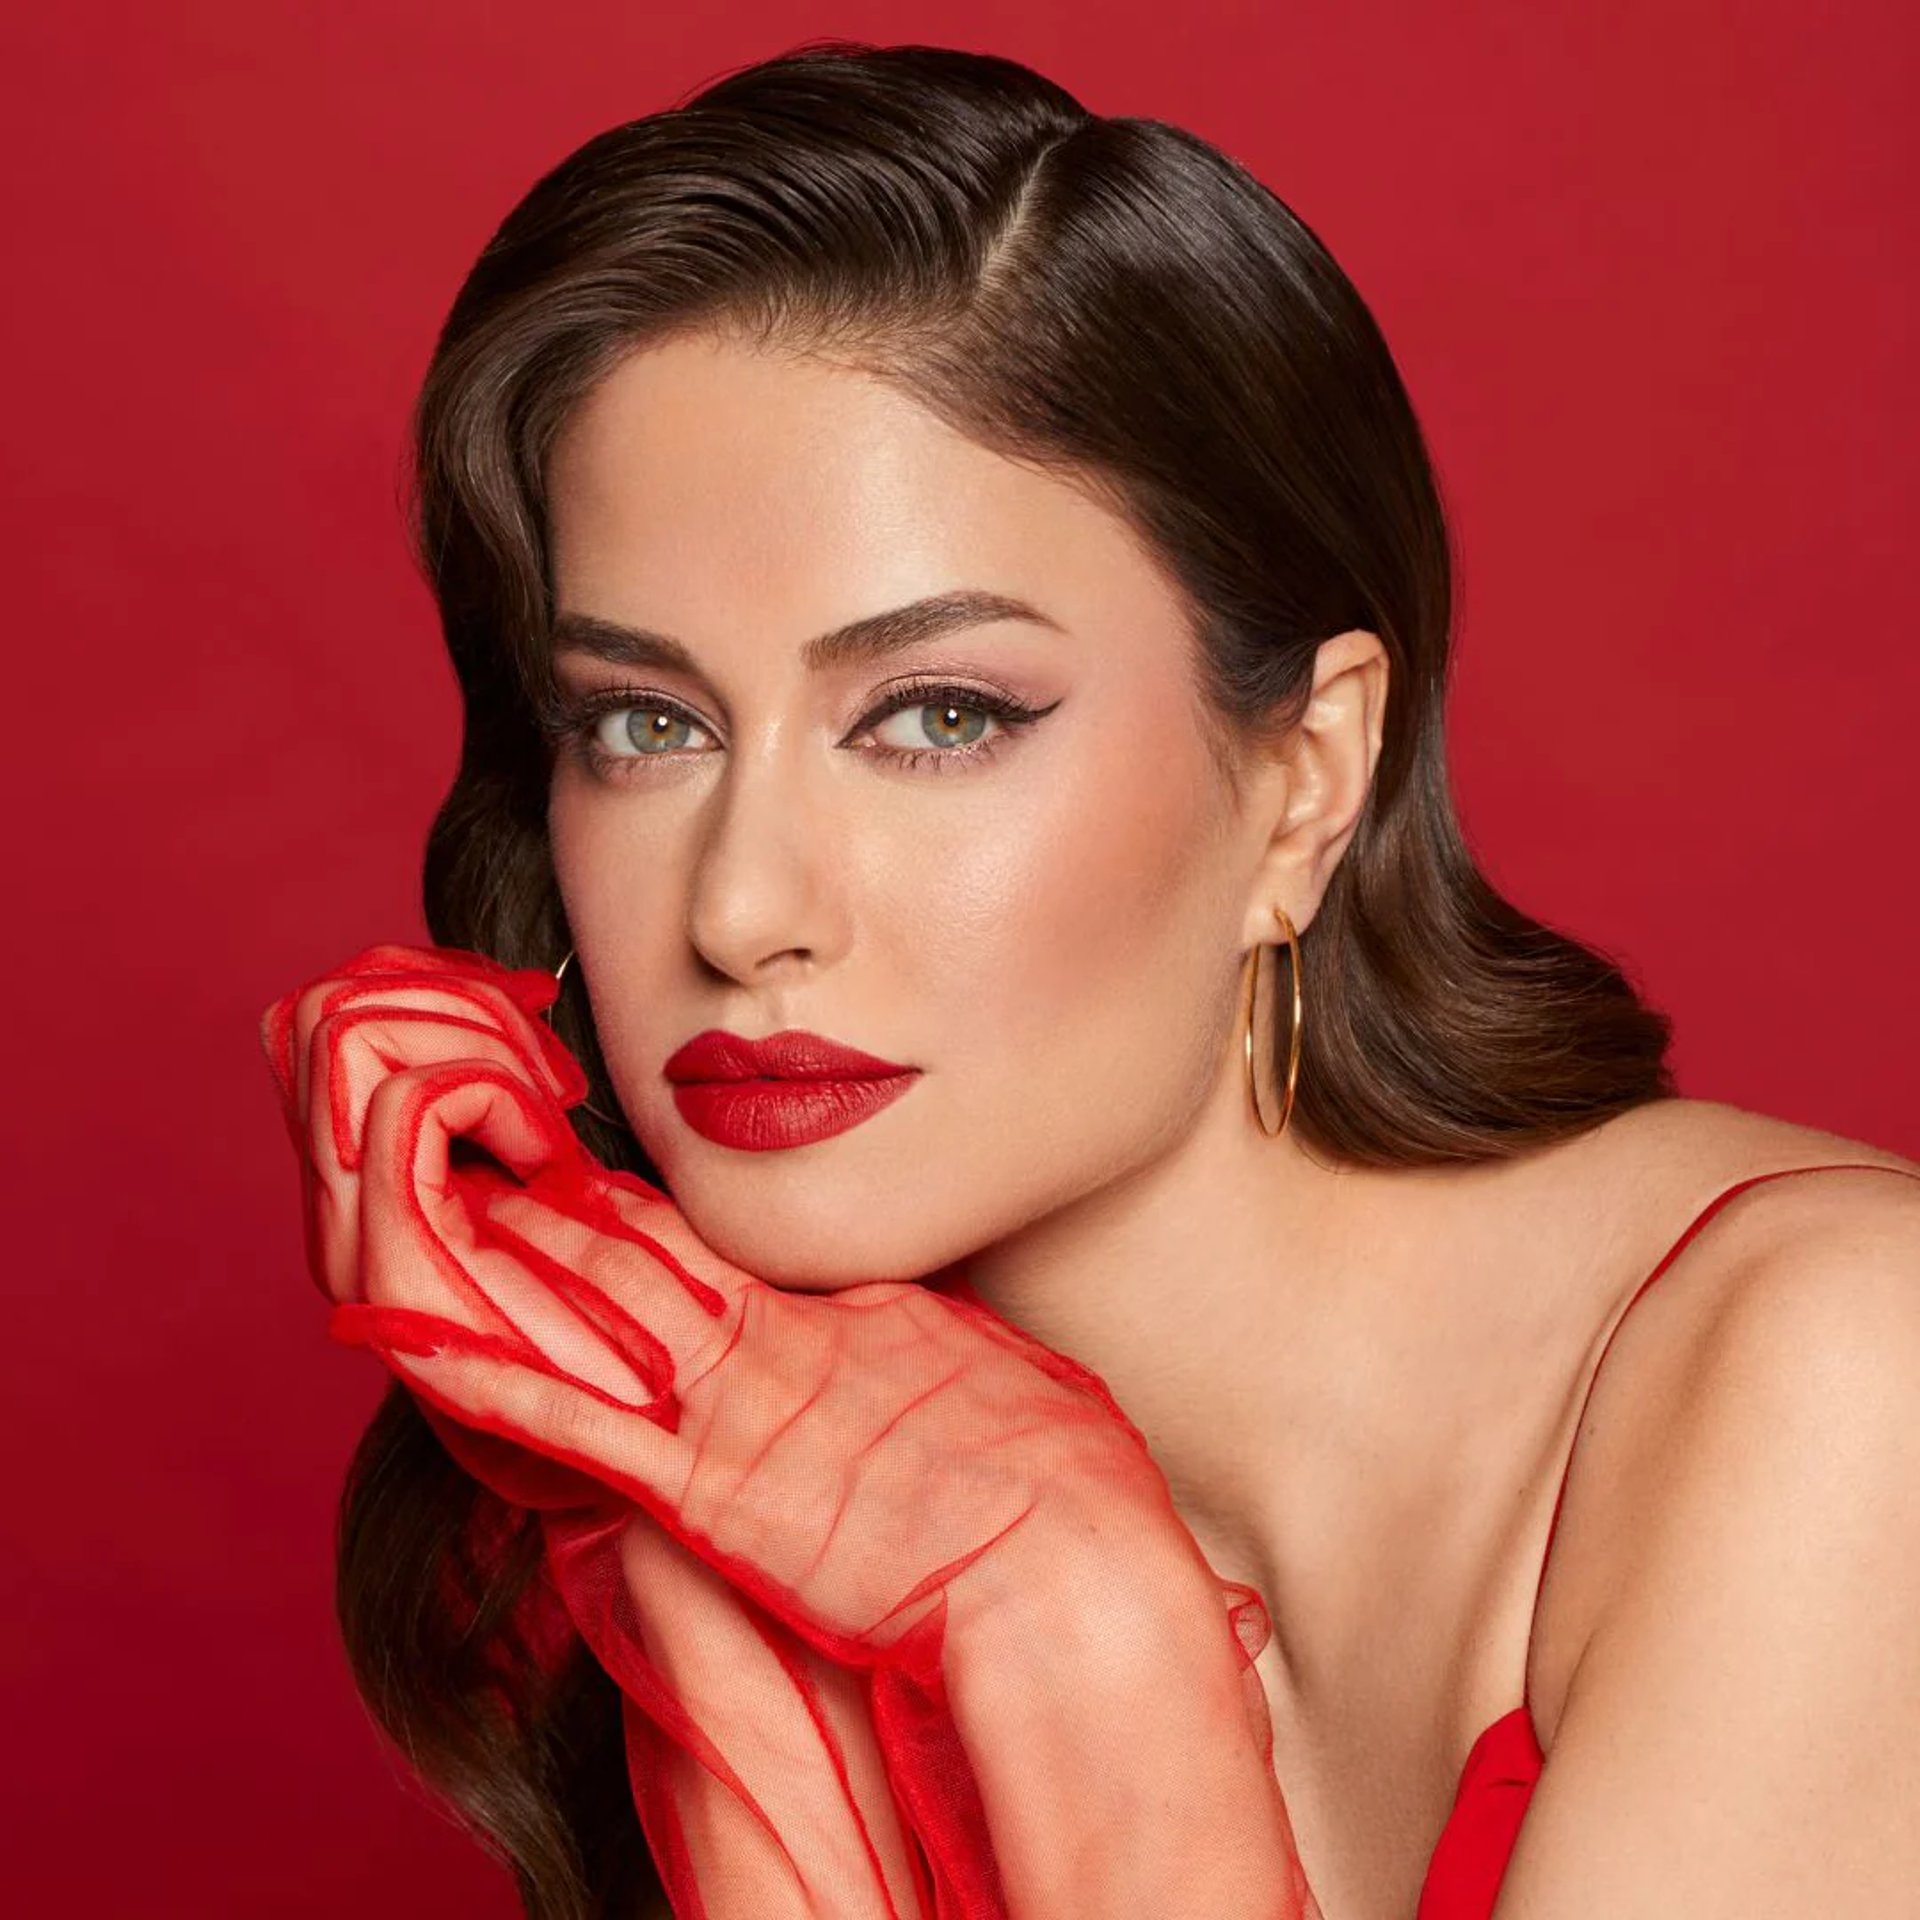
[754, 1764]
[331, 1042]
[756, 1771]
[847, 1459]
[866, 1466]
[854, 1461]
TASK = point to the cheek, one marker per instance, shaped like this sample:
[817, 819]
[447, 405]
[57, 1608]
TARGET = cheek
[624, 897]
[1089, 986]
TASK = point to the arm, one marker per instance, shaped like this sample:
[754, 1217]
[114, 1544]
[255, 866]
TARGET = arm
[1742, 1732]
[1100, 1595]
[1107, 1703]
[752, 1762]
[1188, 1821]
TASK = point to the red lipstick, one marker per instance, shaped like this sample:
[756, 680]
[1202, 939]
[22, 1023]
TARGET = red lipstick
[784, 1091]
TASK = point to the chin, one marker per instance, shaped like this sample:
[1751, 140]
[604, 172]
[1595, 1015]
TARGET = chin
[803, 1237]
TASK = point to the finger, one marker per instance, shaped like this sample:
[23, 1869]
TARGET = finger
[288, 1021]
[357, 1046]
[614, 1596]
[374, 963]
[357, 1050]
[317, 1211]
[447, 979]
[428, 1242]
[276, 1042]
[468, 1003]
[497, 1385]
[596, 1308]
[515, 998]
[531, 988]
[415, 1243]
[631, 1274]
[651, 1216]
[798, 1726]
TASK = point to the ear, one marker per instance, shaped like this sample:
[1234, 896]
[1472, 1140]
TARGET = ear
[1316, 781]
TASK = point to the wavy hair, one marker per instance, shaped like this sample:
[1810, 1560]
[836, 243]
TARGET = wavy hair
[1112, 299]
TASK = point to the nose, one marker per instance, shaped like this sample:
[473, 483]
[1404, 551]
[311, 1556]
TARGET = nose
[767, 886]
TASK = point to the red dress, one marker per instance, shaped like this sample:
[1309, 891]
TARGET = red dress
[1496, 1784]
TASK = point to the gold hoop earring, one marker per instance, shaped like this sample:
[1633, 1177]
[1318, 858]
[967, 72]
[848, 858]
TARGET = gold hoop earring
[1256, 1011]
[547, 1015]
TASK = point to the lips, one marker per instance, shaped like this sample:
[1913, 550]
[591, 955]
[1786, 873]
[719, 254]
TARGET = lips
[784, 1091]
[792, 1054]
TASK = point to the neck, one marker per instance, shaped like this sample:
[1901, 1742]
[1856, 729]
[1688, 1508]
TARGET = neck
[1274, 1325]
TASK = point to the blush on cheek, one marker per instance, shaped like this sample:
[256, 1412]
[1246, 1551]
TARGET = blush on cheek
[1088, 1008]
[630, 937]
[1112, 892]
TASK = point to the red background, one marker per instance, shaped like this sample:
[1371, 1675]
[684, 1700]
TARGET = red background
[1649, 271]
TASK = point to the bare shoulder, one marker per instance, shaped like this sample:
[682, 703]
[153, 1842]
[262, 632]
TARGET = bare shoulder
[1734, 1611]
[1794, 1310]
[1654, 1170]
[1712, 1138]
[1730, 1597]
[1820, 1253]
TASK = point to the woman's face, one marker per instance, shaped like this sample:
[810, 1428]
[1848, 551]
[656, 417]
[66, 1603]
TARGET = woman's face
[1043, 919]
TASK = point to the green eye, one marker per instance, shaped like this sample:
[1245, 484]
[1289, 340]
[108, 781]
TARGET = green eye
[935, 723]
[655, 729]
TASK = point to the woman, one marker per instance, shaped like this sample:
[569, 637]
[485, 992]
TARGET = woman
[956, 582]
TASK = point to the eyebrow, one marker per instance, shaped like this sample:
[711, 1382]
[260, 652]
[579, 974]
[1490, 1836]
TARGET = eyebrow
[870, 638]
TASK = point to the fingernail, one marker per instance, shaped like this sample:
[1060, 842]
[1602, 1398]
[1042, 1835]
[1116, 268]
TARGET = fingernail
[356, 1324]
[413, 1354]
[414, 1350]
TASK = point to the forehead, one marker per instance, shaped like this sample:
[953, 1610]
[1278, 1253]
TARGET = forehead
[703, 478]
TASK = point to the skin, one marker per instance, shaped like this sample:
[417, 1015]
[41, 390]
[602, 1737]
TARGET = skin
[1361, 1384]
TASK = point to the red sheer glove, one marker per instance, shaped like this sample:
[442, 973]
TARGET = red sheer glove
[755, 1768]
[863, 1468]
[760, 1780]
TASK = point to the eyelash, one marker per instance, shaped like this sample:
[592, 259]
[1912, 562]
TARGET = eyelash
[570, 724]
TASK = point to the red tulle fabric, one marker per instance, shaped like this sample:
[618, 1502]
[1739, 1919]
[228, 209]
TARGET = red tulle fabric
[771, 1516]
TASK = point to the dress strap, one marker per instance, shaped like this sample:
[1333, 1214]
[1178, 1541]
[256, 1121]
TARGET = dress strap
[1693, 1226]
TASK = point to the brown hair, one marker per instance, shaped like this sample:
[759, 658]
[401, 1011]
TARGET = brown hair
[1113, 299]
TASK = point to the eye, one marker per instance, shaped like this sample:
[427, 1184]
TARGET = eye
[934, 723]
[618, 733]
[937, 728]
